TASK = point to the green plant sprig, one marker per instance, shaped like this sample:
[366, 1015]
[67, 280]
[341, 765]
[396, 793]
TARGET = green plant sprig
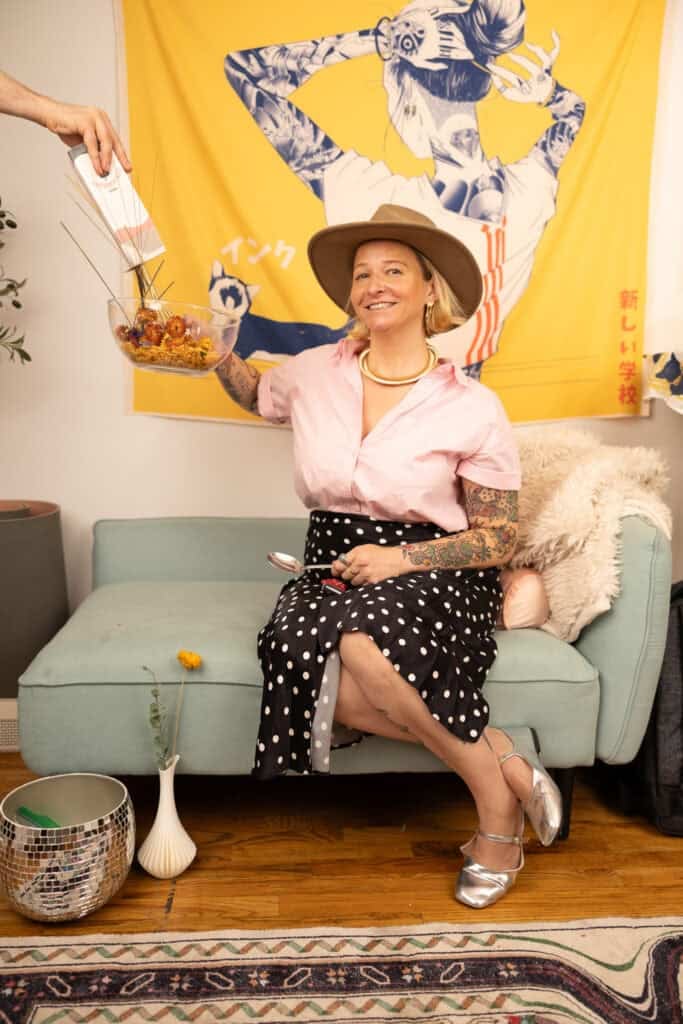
[9, 289]
[158, 722]
[158, 712]
[15, 346]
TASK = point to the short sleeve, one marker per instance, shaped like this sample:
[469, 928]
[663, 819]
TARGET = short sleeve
[495, 461]
[274, 393]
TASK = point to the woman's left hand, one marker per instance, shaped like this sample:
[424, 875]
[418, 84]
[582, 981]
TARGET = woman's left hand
[369, 563]
[538, 86]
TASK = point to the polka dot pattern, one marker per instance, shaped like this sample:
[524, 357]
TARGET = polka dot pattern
[434, 627]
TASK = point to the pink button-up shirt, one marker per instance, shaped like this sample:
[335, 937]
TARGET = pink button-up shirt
[407, 467]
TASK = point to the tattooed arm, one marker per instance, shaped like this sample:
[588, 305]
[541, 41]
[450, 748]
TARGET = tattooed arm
[489, 540]
[263, 78]
[240, 381]
[568, 111]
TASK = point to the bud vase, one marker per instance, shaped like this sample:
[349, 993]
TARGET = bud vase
[168, 849]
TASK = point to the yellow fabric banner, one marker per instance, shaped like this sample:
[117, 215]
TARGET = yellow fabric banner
[527, 132]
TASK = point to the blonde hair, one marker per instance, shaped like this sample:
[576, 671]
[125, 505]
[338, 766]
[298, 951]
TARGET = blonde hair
[442, 315]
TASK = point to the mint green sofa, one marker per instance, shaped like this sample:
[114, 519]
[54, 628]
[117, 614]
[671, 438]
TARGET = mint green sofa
[204, 584]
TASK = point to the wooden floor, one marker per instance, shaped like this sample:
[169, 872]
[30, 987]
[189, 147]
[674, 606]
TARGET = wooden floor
[363, 852]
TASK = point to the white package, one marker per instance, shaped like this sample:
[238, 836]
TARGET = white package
[120, 207]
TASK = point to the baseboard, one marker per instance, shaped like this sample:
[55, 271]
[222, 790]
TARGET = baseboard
[9, 725]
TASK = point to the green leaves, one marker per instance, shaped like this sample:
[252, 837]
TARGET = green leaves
[9, 290]
[158, 712]
[158, 722]
[15, 346]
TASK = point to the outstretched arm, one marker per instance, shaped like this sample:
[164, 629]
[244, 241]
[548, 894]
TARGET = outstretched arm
[240, 381]
[264, 78]
[72, 123]
[567, 109]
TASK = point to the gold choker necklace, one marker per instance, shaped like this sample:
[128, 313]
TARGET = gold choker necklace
[432, 360]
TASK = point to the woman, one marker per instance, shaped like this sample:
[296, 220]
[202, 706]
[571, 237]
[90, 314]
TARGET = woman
[412, 473]
[438, 65]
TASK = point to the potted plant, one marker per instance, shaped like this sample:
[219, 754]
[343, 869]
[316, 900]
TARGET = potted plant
[9, 292]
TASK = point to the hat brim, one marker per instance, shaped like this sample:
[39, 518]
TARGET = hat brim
[331, 252]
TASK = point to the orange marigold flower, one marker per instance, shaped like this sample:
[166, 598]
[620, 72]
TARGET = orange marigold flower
[189, 659]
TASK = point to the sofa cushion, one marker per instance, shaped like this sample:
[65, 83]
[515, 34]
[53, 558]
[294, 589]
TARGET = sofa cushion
[84, 700]
[122, 626]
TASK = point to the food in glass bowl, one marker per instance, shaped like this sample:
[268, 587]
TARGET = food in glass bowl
[173, 337]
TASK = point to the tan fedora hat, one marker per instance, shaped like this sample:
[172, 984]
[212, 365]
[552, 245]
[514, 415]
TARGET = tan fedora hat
[331, 252]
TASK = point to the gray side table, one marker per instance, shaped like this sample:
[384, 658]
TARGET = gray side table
[33, 596]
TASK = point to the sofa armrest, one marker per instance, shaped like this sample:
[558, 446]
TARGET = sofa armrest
[192, 548]
[626, 644]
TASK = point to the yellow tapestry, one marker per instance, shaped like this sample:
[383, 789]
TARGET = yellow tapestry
[525, 130]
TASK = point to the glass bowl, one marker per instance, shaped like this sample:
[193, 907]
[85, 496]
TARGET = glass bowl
[172, 337]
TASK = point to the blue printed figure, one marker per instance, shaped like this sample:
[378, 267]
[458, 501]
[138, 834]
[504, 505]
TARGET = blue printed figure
[260, 336]
[439, 62]
[671, 370]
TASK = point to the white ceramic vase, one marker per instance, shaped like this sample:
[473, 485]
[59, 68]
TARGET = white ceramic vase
[168, 850]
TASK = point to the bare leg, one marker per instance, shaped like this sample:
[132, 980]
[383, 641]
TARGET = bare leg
[476, 763]
[354, 710]
[517, 773]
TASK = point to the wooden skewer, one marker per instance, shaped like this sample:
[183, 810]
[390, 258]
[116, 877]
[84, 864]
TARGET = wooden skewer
[84, 253]
[96, 224]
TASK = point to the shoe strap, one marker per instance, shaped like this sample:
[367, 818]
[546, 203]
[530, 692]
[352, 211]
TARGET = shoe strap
[518, 840]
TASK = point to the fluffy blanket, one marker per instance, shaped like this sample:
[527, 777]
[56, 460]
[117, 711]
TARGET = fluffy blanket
[574, 493]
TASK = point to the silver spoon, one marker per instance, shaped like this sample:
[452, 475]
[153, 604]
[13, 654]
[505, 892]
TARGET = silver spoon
[291, 564]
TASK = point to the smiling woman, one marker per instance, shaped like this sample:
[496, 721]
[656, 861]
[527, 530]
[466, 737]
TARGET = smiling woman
[389, 297]
[412, 474]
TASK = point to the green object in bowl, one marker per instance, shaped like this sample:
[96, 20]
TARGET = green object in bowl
[37, 820]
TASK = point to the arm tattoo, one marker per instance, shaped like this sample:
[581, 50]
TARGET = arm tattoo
[488, 504]
[264, 78]
[240, 381]
[568, 111]
[489, 540]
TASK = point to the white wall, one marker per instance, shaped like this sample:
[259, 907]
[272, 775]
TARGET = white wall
[65, 434]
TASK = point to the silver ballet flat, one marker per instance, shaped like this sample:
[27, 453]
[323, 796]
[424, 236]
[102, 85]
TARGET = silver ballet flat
[479, 886]
[544, 805]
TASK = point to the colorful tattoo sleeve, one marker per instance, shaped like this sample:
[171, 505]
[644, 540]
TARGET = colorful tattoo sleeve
[240, 381]
[489, 540]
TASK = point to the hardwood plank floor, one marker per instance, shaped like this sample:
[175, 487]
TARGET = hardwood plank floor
[363, 852]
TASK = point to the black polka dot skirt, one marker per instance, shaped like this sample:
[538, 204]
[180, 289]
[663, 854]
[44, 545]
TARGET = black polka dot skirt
[435, 627]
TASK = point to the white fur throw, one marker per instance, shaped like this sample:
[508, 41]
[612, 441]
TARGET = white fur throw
[574, 493]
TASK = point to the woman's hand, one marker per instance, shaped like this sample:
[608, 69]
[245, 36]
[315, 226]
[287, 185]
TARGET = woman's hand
[369, 563]
[538, 87]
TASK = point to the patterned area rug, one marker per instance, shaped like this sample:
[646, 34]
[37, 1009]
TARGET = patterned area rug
[619, 971]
